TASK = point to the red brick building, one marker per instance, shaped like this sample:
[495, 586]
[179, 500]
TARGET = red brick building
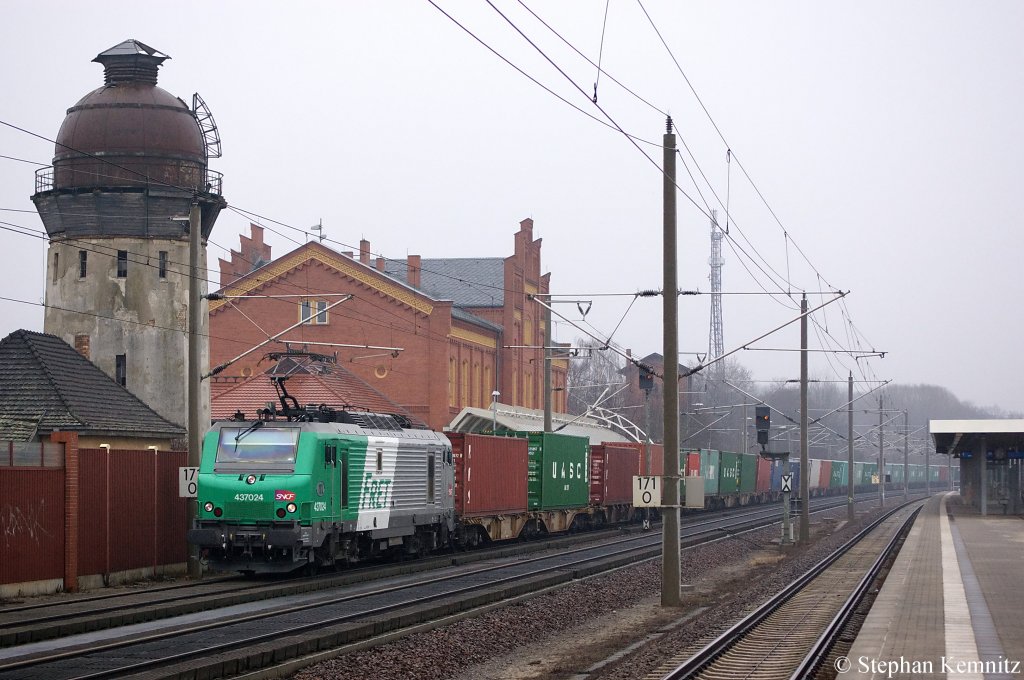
[458, 324]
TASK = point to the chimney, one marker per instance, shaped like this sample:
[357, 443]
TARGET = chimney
[413, 275]
[380, 264]
[364, 251]
[82, 345]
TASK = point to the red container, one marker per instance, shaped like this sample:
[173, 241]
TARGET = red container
[657, 467]
[825, 478]
[764, 475]
[611, 473]
[943, 474]
[490, 474]
[692, 464]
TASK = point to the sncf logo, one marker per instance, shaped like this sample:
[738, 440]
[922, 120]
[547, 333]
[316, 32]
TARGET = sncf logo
[280, 495]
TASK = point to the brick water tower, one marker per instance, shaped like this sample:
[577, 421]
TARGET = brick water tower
[130, 160]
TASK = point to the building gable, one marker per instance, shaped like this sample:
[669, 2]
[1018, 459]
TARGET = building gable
[312, 252]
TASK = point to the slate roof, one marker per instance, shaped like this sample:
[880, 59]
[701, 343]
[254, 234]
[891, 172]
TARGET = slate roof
[45, 381]
[466, 281]
[463, 315]
[336, 387]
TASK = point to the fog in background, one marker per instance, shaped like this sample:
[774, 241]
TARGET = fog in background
[883, 140]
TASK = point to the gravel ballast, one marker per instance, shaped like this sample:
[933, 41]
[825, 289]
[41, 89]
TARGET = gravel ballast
[576, 631]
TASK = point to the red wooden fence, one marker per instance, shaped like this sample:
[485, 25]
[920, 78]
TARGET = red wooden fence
[125, 506]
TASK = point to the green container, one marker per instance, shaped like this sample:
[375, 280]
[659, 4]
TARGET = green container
[728, 473]
[838, 480]
[709, 470]
[558, 471]
[748, 472]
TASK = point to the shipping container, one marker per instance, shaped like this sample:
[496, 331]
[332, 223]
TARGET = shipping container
[692, 465]
[838, 478]
[825, 474]
[657, 458]
[859, 474]
[490, 474]
[728, 473]
[558, 474]
[764, 475]
[709, 471]
[943, 474]
[814, 478]
[611, 474]
[748, 472]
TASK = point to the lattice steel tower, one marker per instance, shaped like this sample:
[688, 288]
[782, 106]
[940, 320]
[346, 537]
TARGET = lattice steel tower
[716, 340]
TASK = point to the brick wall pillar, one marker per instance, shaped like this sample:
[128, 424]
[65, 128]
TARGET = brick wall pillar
[70, 441]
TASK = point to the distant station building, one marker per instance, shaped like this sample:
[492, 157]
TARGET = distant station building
[990, 454]
[129, 161]
[432, 335]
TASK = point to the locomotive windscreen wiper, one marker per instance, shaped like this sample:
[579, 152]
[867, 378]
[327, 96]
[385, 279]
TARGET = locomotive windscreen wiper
[255, 426]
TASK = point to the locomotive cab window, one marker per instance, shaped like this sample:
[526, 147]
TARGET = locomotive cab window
[259, 447]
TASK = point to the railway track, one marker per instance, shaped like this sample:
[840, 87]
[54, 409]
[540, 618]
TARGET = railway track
[224, 643]
[790, 635]
[62, 617]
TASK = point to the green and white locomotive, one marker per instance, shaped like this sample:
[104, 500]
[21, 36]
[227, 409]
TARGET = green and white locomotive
[317, 487]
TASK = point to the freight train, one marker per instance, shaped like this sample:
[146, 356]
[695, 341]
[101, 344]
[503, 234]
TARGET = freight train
[320, 487]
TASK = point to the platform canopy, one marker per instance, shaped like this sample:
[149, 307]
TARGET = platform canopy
[954, 436]
[519, 419]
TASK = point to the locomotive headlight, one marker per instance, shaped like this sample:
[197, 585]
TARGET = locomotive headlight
[208, 506]
[291, 507]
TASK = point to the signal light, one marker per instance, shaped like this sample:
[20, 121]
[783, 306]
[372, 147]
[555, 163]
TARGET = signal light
[291, 507]
[762, 422]
[646, 378]
[208, 506]
[280, 513]
[217, 512]
[762, 418]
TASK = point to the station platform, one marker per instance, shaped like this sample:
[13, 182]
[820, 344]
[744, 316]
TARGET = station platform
[953, 603]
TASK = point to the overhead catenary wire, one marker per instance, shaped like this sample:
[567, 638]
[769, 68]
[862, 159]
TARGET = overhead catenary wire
[691, 174]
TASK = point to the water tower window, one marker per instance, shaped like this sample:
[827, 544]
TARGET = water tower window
[121, 369]
[163, 264]
[83, 260]
[56, 263]
[122, 264]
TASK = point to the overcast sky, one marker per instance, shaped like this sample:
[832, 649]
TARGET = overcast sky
[885, 138]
